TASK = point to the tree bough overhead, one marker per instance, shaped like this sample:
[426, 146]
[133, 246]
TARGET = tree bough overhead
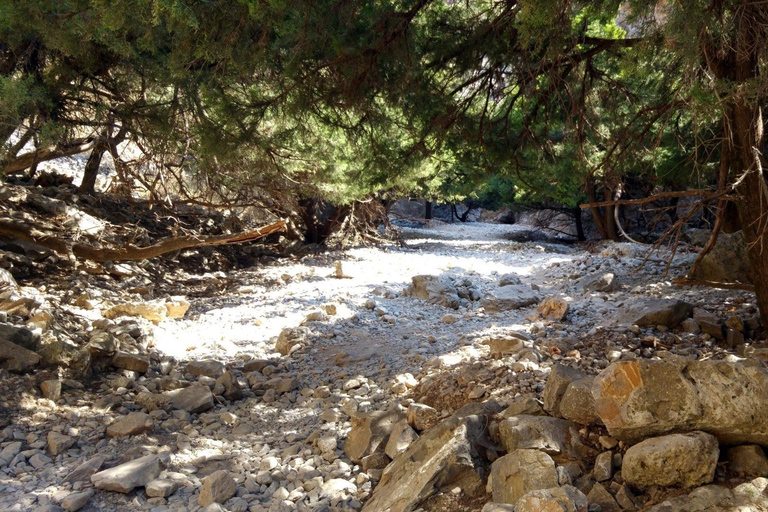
[279, 106]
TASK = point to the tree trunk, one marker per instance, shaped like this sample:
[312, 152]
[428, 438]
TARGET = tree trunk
[88, 186]
[743, 120]
[603, 219]
[579, 224]
[428, 210]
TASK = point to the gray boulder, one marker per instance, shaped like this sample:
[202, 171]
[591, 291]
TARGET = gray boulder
[603, 282]
[507, 298]
[727, 262]
[642, 398]
[370, 433]
[15, 358]
[445, 455]
[435, 290]
[578, 404]
[682, 460]
[653, 312]
[552, 436]
[126, 477]
[560, 377]
[516, 474]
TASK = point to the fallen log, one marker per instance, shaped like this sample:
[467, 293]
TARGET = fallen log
[31, 233]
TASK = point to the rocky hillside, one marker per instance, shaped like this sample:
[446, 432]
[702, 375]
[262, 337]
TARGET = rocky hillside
[463, 371]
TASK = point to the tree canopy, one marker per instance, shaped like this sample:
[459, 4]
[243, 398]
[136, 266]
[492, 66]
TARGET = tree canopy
[271, 103]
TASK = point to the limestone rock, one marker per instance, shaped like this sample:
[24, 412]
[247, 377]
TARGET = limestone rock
[558, 381]
[599, 495]
[509, 344]
[134, 362]
[516, 474]
[126, 477]
[748, 459]
[400, 439]
[550, 435]
[603, 282]
[59, 443]
[154, 311]
[17, 359]
[83, 472]
[653, 312]
[103, 344]
[10, 451]
[130, 425]
[290, 337]
[209, 368]
[749, 496]
[445, 455]
[551, 308]
[370, 433]
[76, 500]
[421, 417]
[578, 404]
[194, 399]
[727, 262]
[508, 298]
[434, 290]
[642, 398]
[509, 279]
[558, 499]
[232, 389]
[218, 487]
[176, 307]
[20, 336]
[51, 389]
[684, 460]
[161, 488]
[524, 405]
[603, 469]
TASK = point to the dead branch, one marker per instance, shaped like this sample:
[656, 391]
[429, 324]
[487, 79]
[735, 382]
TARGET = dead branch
[687, 281]
[707, 195]
[31, 233]
[27, 160]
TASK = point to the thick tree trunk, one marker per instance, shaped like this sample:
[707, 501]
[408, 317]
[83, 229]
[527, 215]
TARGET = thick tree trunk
[428, 210]
[743, 120]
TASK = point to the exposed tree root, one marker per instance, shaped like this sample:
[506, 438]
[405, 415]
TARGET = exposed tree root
[31, 233]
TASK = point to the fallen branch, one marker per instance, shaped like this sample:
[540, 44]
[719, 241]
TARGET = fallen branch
[708, 195]
[30, 233]
[686, 281]
[27, 160]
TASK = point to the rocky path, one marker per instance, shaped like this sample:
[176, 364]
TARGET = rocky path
[249, 401]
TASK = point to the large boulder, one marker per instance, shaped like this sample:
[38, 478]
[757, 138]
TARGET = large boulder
[727, 262]
[653, 312]
[638, 399]
[446, 455]
[578, 403]
[435, 290]
[516, 474]
[126, 477]
[507, 298]
[550, 435]
[14, 358]
[370, 433]
[680, 460]
[749, 496]
[558, 381]
[291, 337]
